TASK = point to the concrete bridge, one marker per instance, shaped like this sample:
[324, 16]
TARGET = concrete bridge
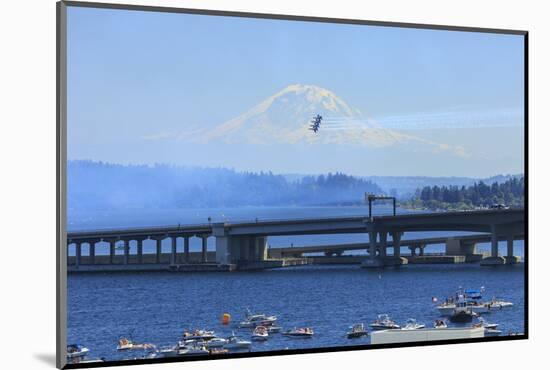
[244, 243]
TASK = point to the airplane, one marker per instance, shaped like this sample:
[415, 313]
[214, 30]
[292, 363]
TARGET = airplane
[316, 122]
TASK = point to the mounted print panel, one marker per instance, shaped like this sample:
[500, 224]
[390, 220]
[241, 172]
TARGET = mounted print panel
[248, 184]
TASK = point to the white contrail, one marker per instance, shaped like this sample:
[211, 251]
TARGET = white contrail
[506, 117]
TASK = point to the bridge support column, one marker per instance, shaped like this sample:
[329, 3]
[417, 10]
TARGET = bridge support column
[494, 259]
[173, 251]
[92, 253]
[159, 250]
[510, 258]
[140, 250]
[373, 260]
[78, 254]
[112, 251]
[383, 243]
[186, 249]
[372, 244]
[396, 237]
[126, 252]
[204, 249]
[412, 248]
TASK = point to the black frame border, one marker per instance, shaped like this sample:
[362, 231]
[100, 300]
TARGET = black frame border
[61, 157]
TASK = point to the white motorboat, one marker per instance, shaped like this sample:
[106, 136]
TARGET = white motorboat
[257, 318]
[199, 335]
[274, 329]
[260, 333]
[357, 331]
[215, 343]
[490, 329]
[440, 324]
[76, 350]
[299, 333]
[497, 304]
[235, 343]
[412, 325]
[192, 349]
[384, 322]
[169, 351]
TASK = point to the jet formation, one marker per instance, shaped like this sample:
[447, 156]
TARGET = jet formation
[315, 123]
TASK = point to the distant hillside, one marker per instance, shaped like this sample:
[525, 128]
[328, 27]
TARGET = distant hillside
[96, 185]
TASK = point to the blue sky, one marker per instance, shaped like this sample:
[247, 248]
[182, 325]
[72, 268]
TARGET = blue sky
[133, 74]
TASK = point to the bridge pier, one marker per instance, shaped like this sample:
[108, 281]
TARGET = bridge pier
[140, 250]
[396, 237]
[204, 257]
[92, 252]
[126, 251]
[494, 259]
[111, 251]
[510, 258]
[383, 235]
[186, 249]
[173, 251]
[78, 254]
[159, 250]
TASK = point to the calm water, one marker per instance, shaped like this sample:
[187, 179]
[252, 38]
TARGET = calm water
[158, 307]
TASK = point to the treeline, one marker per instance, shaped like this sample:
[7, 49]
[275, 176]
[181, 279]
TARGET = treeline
[97, 185]
[509, 193]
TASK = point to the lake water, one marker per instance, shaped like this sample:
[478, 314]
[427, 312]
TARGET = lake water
[158, 307]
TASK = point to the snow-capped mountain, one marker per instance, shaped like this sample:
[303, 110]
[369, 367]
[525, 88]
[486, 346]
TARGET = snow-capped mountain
[285, 118]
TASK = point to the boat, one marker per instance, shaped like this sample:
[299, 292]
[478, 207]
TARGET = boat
[440, 324]
[215, 343]
[234, 342]
[257, 318]
[125, 344]
[199, 334]
[497, 304]
[76, 350]
[384, 322]
[274, 329]
[470, 298]
[462, 315]
[413, 325]
[260, 333]
[357, 331]
[299, 333]
[490, 329]
[192, 349]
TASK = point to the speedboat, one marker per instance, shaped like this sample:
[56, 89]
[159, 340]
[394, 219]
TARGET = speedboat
[274, 329]
[440, 324]
[413, 325]
[357, 331]
[215, 343]
[497, 304]
[384, 322]
[192, 349]
[125, 344]
[199, 334]
[299, 333]
[257, 318]
[76, 350]
[490, 329]
[260, 333]
[233, 342]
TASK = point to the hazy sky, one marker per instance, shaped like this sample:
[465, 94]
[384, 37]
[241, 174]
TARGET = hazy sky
[136, 74]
